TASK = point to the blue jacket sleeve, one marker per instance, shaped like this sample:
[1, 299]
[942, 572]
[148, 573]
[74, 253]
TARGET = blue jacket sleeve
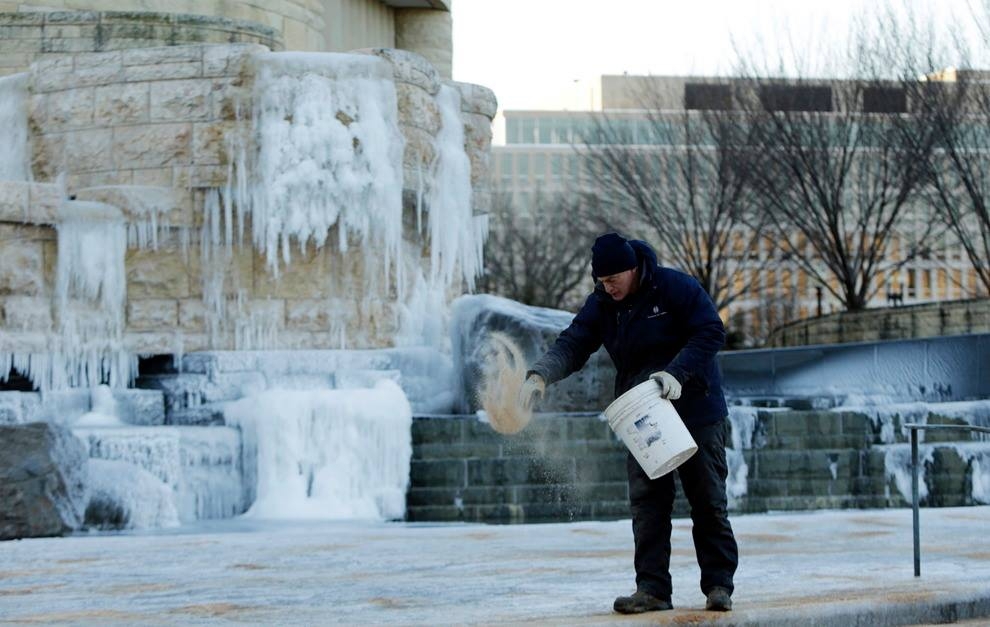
[703, 327]
[574, 345]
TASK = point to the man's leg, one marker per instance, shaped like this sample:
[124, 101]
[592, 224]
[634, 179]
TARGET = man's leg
[651, 501]
[703, 480]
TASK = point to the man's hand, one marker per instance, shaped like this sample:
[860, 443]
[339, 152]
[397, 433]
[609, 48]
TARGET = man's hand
[670, 388]
[532, 390]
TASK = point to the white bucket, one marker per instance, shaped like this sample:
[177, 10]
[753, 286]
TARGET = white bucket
[651, 429]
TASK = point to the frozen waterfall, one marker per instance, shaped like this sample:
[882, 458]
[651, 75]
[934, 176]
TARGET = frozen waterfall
[326, 453]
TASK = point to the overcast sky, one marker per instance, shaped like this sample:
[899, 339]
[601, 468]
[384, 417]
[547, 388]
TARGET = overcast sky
[548, 54]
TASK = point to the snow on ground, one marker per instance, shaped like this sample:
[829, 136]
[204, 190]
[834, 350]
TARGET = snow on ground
[794, 569]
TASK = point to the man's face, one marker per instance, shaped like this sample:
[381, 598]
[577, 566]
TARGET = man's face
[619, 285]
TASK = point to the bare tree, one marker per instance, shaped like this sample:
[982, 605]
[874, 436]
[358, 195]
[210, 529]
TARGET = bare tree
[839, 166]
[958, 103]
[537, 255]
[672, 174]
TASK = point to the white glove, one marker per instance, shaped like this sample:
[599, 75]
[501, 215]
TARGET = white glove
[532, 390]
[670, 388]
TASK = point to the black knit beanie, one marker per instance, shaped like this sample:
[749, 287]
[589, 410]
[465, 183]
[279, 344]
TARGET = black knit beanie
[611, 254]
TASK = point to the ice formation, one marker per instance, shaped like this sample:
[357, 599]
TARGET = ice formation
[200, 466]
[103, 410]
[125, 496]
[456, 234]
[329, 154]
[14, 165]
[86, 347]
[743, 421]
[326, 453]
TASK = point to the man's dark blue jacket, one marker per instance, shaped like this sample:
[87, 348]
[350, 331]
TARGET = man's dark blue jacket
[669, 323]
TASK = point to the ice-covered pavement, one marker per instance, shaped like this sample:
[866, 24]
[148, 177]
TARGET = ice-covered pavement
[825, 568]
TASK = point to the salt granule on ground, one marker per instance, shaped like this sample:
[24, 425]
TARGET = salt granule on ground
[503, 376]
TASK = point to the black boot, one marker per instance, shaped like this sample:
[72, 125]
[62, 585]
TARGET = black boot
[718, 600]
[639, 602]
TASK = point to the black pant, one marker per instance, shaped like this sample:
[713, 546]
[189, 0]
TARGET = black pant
[703, 480]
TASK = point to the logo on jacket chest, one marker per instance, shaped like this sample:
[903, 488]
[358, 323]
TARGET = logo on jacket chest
[656, 312]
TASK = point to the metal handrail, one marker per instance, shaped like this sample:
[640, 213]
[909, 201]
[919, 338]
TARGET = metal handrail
[914, 427]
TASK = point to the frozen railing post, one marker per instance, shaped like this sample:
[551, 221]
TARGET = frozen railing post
[914, 427]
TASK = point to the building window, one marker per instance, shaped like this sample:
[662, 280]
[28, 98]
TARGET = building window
[796, 98]
[884, 100]
[706, 97]
[543, 130]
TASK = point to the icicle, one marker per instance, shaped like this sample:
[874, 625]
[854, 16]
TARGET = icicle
[454, 232]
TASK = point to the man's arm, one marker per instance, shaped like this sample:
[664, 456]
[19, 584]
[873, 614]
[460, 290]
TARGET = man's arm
[574, 345]
[703, 326]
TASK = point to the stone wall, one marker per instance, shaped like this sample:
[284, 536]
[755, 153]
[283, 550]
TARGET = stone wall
[307, 25]
[26, 35]
[892, 323]
[567, 467]
[299, 23]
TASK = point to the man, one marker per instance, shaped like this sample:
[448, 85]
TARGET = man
[657, 323]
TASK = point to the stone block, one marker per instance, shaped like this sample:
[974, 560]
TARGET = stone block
[70, 109]
[499, 472]
[153, 177]
[308, 314]
[461, 451]
[21, 268]
[152, 314]
[408, 67]
[26, 313]
[75, 151]
[199, 175]
[439, 431]
[228, 59]
[161, 72]
[46, 155]
[308, 276]
[161, 273]
[42, 481]
[433, 497]
[152, 145]
[15, 201]
[125, 103]
[180, 100]
[437, 473]
[210, 142]
[165, 54]
[192, 315]
[603, 468]
[203, 416]
[142, 203]
[12, 17]
[140, 407]
[417, 108]
[419, 152]
[51, 73]
[476, 99]
[152, 342]
[807, 423]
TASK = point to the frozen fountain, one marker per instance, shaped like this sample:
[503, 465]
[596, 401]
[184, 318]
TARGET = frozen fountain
[254, 250]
